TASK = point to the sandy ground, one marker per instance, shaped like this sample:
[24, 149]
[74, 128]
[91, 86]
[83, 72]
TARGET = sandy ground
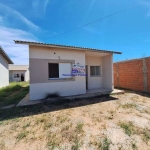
[122, 123]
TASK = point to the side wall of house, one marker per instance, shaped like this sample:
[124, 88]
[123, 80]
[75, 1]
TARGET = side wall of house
[4, 73]
[94, 82]
[107, 72]
[40, 85]
[133, 74]
[27, 78]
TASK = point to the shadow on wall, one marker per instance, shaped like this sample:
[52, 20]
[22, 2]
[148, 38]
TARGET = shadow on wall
[50, 106]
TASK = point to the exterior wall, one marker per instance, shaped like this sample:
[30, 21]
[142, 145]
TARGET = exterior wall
[94, 82]
[27, 78]
[11, 75]
[107, 72]
[4, 73]
[39, 90]
[133, 74]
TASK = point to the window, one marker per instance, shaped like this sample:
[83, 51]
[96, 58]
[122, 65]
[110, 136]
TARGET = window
[16, 75]
[59, 70]
[95, 71]
[53, 70]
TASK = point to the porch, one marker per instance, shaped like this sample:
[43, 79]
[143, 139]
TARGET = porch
[90, 93]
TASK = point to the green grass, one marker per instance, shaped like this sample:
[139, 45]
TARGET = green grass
[13, 93]
[127, 106]
[128, 127]
[105, 144]
[21, 135]
[79, 127]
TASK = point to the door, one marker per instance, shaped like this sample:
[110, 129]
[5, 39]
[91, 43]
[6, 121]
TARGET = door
[22, 77]
[86, 68]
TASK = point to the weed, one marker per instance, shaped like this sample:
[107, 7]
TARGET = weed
[21, 136]
[128, 127]
[134, 146]
[79, 127]
[146, 135]
[26, 125]
[105, 144]
[76, 144]
[1, 122]
[129, 105]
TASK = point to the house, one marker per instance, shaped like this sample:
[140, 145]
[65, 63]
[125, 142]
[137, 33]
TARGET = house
[68, 70]
[4, 72]
[18, 73]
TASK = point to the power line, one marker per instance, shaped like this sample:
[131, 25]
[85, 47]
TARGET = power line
[94, 21]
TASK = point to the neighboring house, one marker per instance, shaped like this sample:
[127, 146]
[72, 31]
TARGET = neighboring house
[50, 65]
[4, 72]
[18, 73]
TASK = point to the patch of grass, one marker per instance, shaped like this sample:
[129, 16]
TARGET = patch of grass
[134, 147]
[77, 144]
[21, 135]
[127, 127]
[79, 127]
[105, 144]
[26, 125]
[146, 135]
[129, 105]
[13, 93]
[1, 122]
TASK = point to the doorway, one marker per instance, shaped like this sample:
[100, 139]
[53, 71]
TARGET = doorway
[86, 68]
[22, 77]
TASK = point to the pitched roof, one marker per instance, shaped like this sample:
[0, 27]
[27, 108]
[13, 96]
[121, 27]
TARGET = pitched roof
[2, 52]
[64, 46]
[18, 67]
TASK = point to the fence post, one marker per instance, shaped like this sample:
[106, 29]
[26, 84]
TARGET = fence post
[145, 74]
[117, 70]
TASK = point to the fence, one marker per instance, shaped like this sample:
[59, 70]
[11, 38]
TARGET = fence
[133, 74]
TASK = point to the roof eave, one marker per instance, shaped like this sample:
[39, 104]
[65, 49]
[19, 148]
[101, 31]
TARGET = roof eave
[5, 56]
[69, 47]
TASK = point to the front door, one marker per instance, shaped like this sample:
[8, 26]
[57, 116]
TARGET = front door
[86, 68]
[22, 77]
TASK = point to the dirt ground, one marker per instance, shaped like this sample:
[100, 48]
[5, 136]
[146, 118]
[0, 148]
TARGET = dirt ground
[120, 122]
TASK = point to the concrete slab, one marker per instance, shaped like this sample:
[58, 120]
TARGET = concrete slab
[90, 93]
[26, 101]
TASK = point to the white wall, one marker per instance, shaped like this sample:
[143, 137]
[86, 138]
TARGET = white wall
[64, 88]
[27, 78]
[107, 72]
[26, 75]
[4, 73]
[94, 82]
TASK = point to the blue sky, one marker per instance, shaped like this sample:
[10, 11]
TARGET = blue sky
[38, 20]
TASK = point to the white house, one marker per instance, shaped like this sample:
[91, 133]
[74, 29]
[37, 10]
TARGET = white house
[53, 67]
[18, 73]
[4, 72]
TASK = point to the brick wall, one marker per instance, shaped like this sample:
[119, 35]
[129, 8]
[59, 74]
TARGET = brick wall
[148, 73]
[133, 74]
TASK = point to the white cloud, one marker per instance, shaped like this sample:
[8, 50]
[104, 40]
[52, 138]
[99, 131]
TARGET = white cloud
[39, 5]
[11, 12]
[147, 4]
[18, 53]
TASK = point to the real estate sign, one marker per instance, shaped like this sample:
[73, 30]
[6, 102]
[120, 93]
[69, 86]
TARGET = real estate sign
[78, 69]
